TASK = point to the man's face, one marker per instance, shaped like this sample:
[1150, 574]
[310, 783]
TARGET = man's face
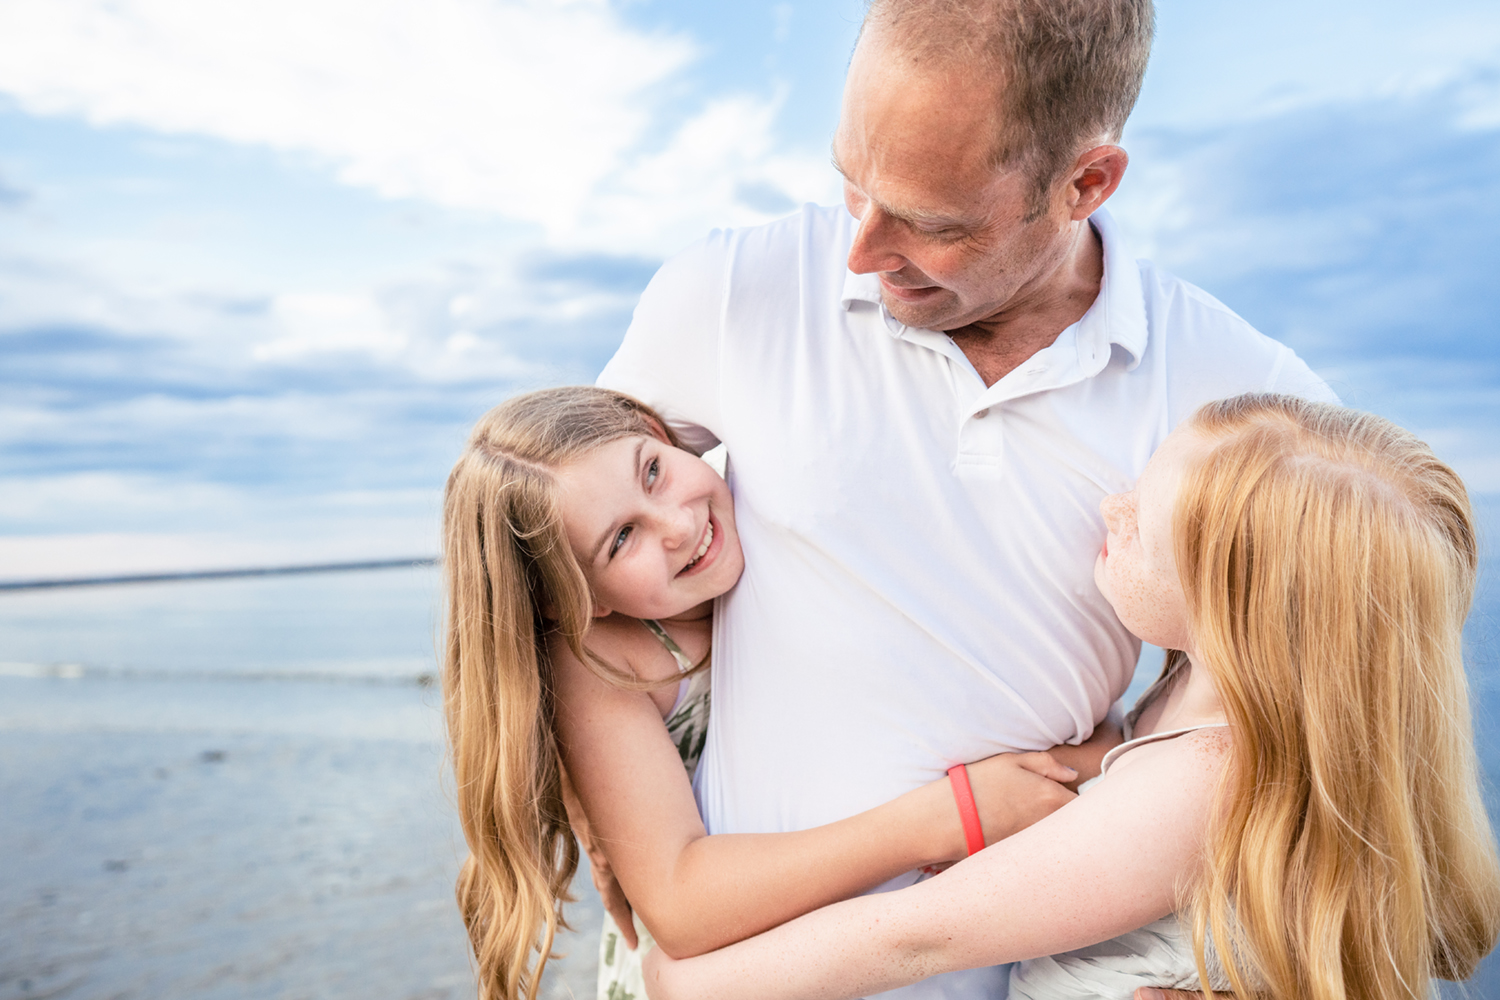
[942, 226]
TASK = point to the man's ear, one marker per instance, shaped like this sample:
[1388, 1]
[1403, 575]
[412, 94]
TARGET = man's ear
[1096, 174]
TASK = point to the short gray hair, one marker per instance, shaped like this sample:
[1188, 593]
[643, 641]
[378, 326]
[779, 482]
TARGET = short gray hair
[1068, 71]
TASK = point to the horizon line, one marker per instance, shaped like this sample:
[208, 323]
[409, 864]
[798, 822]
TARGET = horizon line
[217, 574]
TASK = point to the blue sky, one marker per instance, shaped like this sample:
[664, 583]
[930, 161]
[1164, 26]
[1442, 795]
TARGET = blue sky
[262, 265]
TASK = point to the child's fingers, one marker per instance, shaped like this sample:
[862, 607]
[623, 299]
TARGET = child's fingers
[615, 903]
[1043, 763]
[619, 908]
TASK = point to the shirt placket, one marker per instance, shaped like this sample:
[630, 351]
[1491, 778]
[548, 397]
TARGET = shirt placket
[982, 414]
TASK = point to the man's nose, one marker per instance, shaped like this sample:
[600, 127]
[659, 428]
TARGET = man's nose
[875, 246]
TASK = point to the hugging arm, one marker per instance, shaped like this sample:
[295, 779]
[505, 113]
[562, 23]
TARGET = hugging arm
[603, 876]
[697, 892]
[1109, 862]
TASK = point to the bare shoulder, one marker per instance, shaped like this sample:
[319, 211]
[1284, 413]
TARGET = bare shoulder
[609, 638]
[1209, 746]
[621, 642]
[1189, 764]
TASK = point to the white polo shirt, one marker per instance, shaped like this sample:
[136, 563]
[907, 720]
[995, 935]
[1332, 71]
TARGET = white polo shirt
[919, 547]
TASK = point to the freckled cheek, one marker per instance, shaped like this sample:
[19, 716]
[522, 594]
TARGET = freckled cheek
[1138, 604]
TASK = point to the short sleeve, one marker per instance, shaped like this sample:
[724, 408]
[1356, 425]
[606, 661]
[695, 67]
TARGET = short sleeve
[1294, 378]
[670, 356]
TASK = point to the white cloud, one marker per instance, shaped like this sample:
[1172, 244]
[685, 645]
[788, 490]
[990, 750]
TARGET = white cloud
[721, 168]
[525, 108]
[166, 525]
[321, 323]
[89, 556]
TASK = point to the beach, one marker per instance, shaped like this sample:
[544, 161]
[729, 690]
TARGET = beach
[219, 790]
[237, 789]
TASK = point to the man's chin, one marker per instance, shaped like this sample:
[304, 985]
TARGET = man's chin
[937, 313]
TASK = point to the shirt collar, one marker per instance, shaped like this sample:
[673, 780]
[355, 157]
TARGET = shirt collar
[1118, 315]
[860, 288]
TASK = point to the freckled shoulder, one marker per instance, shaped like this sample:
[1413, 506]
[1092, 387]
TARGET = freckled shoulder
[1210, 746]
[1203, 750]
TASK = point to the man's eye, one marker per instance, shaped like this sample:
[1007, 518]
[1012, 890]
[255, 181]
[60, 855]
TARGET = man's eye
[942, 232]
[619, 540]
[652, 471]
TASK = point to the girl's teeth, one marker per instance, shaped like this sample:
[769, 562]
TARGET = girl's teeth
[708, 539]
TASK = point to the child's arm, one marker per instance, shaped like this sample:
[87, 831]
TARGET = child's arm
[1109, 862]
[605, 883]
[697, 892]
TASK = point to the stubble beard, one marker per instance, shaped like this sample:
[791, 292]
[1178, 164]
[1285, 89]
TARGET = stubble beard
[936, 315]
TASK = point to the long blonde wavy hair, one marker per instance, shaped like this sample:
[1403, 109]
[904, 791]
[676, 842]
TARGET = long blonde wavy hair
[1329, 559]
[506, 559]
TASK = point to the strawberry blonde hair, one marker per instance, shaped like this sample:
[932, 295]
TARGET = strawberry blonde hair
[506, 557]
[1328, 559]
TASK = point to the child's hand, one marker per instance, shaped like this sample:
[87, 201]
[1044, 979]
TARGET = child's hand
[615, 903]
[1014, 790]
[1087, 757]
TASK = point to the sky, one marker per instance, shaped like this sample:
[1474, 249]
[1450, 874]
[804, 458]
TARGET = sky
[261, 266]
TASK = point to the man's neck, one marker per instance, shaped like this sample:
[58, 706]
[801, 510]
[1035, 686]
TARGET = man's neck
[998, 344]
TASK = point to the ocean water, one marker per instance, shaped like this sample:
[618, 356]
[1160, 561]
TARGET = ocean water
[236, 789]
[233, 789]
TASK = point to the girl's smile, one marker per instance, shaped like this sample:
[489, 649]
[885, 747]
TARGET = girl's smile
[709, 547]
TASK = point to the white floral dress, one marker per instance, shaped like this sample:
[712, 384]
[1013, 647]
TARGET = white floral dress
[687, 724]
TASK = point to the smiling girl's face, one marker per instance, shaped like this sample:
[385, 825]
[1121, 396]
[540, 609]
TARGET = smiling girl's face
[651, 525]
[1137, 568]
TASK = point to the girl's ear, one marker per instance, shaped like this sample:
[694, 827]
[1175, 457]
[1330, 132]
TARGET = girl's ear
[600, 611]
[658, 431]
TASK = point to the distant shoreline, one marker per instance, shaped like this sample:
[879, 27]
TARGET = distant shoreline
[216, 574]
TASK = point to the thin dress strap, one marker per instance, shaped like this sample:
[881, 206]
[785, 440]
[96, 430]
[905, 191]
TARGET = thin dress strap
[1141, 741]
[683, 663]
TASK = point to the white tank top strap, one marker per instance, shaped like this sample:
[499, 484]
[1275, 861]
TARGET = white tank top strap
[1141, 741]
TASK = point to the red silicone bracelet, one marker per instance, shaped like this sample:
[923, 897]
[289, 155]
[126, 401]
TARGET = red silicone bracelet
[968, 812]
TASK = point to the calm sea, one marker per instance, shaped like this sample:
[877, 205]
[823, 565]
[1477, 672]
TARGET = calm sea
[235, 789]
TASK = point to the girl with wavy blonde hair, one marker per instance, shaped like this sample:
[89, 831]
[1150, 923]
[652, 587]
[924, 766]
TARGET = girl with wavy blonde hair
[1295, 813]
[582, 553]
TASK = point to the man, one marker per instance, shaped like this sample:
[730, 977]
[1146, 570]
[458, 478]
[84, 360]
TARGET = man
[924, 396]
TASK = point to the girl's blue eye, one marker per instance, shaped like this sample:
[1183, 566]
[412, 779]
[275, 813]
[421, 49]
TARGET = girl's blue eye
[652, 471]
[619, 540]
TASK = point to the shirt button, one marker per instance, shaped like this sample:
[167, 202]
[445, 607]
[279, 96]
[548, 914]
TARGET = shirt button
[982, 413]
